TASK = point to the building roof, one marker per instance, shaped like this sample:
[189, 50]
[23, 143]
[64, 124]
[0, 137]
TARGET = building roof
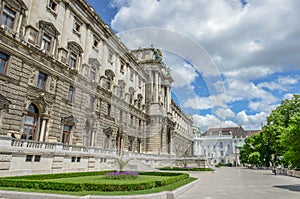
[236, 132]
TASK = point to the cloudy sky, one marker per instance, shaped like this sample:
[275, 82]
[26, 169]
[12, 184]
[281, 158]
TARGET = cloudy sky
[233, 61]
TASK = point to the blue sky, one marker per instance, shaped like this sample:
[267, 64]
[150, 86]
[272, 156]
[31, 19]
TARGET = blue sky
[233, 61]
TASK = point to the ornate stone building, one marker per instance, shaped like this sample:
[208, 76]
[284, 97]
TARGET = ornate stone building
[221, 145]
[65, 77]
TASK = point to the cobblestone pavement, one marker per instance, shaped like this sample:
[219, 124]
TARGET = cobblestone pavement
[240, 183]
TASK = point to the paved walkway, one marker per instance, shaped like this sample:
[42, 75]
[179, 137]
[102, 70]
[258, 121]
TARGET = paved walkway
[239, 183]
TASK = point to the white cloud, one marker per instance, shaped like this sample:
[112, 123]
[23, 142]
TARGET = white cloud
[248, 43]
[210, 121]
[261, 33]
[184, 74]
[288, 80]
[251, 121]
[224, 113]
[203, 103]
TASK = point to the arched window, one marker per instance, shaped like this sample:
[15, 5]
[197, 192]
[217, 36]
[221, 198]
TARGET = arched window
[31, 123]
[86, 134]
[221, 145]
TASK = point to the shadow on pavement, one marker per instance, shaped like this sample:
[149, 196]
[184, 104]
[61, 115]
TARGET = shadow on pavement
[294, 187]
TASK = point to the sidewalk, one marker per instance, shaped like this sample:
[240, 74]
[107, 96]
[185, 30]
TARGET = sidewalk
[240, 183]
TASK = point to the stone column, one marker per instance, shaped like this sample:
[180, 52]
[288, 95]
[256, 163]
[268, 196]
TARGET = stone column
[20, 18]
[156, 87]
[88, 44]
[42, 134]
[168, 99]
[65, 30]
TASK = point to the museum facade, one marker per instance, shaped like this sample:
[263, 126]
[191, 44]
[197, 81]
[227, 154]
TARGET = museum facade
[68, 82]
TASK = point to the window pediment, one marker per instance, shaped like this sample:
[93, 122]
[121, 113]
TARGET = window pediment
[109, 73]
[17, 5]
[94, 62]
[48, 27]
[75, 47]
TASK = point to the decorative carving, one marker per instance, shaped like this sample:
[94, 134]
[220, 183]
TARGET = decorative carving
[53, 83]
[33, 76]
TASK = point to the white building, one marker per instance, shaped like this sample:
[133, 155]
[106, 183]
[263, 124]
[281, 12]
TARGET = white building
[221, 145]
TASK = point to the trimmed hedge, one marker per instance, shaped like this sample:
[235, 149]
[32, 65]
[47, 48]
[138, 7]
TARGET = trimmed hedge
[31, 182]
[58, 175]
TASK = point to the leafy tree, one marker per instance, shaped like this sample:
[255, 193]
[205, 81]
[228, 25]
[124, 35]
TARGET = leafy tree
[254, 158]
[280, 137]
[253, 144]
[290, 140]
[281, 134]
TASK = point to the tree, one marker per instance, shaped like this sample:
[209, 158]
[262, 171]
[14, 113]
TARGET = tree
[254, 158]
[279, 138]
[282, 134]
[290, 140]
[121, 163]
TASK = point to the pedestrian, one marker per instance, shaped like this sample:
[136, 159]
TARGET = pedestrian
[13, 136]
[30, 137]
[23, 136]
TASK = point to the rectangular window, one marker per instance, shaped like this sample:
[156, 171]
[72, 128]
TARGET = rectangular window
[93, 74]
[71, 94]
[131, 119]
[108, 83]
[121, 116]
[109, 110]
[41, 83]
[78, 159]
[52, 5]
[46, 43]
[77, 26]
[29, 158]
[95, 43]
[3, 63]
[92, 101]
[72, 61]
[73, 159]
[66, 134]
[122, 67]
[37, 158]
[8, 17]
[131, 75]
[110, 56]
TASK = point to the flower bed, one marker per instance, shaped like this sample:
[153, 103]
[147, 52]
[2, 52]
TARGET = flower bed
[122, 175]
